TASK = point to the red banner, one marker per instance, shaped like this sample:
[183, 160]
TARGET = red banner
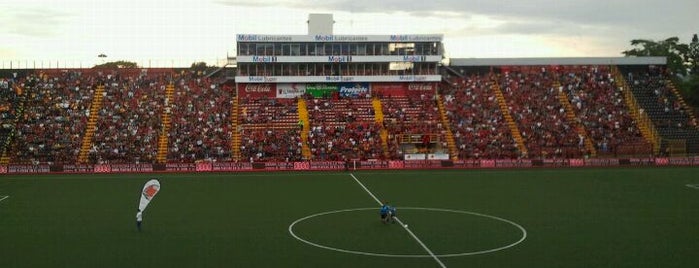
[257, 90]
[662, 162]
[487, 163]
[401, 89]
[577, 162]
[102, 169]
[396, 164]
[3, 169]
[302, 166]
[204, 166]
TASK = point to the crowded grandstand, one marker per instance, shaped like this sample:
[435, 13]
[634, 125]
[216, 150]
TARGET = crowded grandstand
[344, 98]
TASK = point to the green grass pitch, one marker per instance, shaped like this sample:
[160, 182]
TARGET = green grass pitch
[625, 217]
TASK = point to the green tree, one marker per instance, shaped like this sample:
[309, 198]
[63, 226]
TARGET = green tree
[199, 66]
[671, 48]
[117, 65]
[693, 56]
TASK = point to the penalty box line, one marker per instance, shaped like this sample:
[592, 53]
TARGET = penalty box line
[441, 264]
[3, 197]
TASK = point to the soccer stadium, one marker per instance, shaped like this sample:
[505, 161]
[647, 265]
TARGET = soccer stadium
[283, 156]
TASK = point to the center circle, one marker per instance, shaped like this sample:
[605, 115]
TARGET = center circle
[519, 227]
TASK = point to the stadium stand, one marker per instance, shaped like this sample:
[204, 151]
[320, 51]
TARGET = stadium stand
[129, 120]
[200, 128]
[54, 118]
[44, 113]
[531, 98]
[343, 128]
[651, 87]
[477, 122]
[269, 129]
[599, 105]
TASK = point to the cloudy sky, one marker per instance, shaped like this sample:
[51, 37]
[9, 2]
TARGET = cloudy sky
[178, 32]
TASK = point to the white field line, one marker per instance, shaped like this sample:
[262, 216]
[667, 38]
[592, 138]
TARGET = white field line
[695, 186]
[441, 264]
[4, 197]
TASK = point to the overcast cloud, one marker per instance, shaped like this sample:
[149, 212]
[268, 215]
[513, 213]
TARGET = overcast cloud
[189, 30]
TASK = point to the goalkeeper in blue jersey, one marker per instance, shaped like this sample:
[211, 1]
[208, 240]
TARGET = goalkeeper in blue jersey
[387, 213]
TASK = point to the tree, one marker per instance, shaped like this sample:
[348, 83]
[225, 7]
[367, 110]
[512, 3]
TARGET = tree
[675, 52]
[199, 66]
[117, 65]
[693, 56]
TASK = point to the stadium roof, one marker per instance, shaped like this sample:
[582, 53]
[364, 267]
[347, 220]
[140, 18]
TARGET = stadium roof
[558, 61]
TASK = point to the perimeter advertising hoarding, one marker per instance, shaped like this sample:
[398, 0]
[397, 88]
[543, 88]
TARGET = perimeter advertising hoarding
[400, 89]
[321, 90]
[257, 90]
[290, 91]
[354, 89]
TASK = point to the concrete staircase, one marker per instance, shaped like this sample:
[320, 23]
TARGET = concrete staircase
[514, 130]
[451, 143]
[645, 125]
[91, 124]
[570, 116]
[163, 138]
[236, 140]
[303, 117]
[378, 117]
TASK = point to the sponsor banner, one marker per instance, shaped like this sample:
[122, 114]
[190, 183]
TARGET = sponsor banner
[181, 167]
[401, 89]
[3, 169]
[327, 165]
[468, 163]
[302, 166]
[257, 90]
[321, 90]
[290, 91]
[558, 162]
[389, 89]
[337, 59]
[131, 167]
[78, 168]
[642, 161]
[426, 87]
[423, 164]
[230, 166]
[339, 38]
[438, 156]
[353, 89]
[509, 163]
[487, 163]
[601, 162]
[279, 165]
[577, 162]
[696, 160]
[28, 168]
[374, 164]
[412, 157]
[204, 166]
[102, 168]
[338, 79]
[661, 161]
[396, 164]
[680, 161]
[150, 189]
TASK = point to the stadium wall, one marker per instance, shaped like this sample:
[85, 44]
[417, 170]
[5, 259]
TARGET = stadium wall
[350, 165]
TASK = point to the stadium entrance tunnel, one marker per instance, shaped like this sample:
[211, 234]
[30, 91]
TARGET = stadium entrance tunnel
[447, 232]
